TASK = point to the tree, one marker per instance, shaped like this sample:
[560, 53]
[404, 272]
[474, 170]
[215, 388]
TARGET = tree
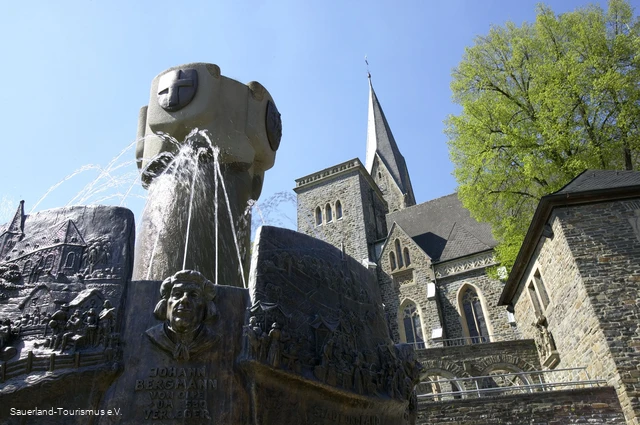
[541, 103]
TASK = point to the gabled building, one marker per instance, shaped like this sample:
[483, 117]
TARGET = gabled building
[48, 252]
[575, 284]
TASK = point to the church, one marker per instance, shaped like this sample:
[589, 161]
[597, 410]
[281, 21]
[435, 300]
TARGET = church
[557, 341]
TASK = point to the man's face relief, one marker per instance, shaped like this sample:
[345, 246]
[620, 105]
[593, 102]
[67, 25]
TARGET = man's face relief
[185, 307]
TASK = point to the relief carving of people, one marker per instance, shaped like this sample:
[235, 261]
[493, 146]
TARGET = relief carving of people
[187, 308]
[274, 357]
[255, 338]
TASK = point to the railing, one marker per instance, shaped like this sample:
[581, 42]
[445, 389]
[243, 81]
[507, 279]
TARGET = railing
[514, 383]
[33, 363]
[456, 342]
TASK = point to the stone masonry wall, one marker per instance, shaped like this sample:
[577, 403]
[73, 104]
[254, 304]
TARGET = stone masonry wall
[571, 316]
[390, 191]
[374, 211]
[489, 290]
[350, 229]
[605, 242]
[580, 406]
[407, 284]
[479, 359]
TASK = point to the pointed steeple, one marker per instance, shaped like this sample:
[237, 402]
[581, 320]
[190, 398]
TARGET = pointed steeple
[13, 232]
[381, 144]
[17, 224]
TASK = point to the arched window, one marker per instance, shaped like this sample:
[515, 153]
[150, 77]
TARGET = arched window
[398, 253]
[318, 216]
[412, 325]
[439, 385]
[506, 377]
[338, 210]
[48, 262]
[26, 269]
[71, 259]
[327, 213]
[474, 316]
[407, 259]
[392, 261]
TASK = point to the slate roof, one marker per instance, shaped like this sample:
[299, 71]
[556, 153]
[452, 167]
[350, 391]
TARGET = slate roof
[601, 180]
[380, 141]
[443, 228]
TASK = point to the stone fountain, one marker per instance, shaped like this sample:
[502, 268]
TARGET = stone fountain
[195, 331]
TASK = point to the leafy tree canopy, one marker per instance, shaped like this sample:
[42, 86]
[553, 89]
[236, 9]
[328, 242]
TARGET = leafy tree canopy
[541, 103]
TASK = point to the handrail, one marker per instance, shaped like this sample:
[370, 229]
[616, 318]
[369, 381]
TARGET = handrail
[529, 386]
[458, 342]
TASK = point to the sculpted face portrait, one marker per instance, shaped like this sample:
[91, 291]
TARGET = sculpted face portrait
[186, 308]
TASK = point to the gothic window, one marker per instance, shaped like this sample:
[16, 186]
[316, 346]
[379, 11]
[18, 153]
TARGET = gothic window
[392, 261]
[407, 259]
[327, 212]
[338, 210]
[26, 269]
[412, 325]
[318, 216]
[71, 258]
[398, 253]
[48, 262]
[474, 316]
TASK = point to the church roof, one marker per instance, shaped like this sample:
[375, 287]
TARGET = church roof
[443, 228]
[380, 141]
[601, 180]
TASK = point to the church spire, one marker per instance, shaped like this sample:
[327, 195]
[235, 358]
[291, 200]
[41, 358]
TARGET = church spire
[381, 144]
[17, 224]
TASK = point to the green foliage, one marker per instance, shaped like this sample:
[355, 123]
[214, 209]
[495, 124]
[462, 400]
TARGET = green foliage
[541, 103]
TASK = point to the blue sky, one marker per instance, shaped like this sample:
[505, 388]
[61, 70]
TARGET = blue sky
[75, 74]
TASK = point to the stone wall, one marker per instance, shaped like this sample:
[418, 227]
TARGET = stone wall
[580, 406]
[605, 243]
[489, 291]
[407, 284]
[590, 271]
[374, 210]
[350, 228]
[363, 208]
[480, 359]
[390, 190]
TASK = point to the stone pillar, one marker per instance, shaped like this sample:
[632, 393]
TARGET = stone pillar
[244, 123]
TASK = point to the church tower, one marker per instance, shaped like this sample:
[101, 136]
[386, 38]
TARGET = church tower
[384, 162]
[346, 204]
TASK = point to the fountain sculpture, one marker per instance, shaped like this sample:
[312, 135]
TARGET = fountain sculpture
[203, 332]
